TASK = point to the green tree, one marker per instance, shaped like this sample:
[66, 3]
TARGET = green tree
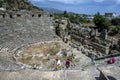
[115, 21]
[116, 30]
[101, 22]
[74, 18]
[57, 30]
[65, 14]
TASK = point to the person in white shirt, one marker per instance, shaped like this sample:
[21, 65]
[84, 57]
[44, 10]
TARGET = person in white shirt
[58, 64]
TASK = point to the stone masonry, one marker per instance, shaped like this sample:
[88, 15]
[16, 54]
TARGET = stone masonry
[24, 30]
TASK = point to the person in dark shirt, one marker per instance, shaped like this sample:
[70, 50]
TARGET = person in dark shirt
[67, 64]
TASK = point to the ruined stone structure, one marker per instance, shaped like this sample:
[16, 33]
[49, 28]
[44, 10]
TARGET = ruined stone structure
[21, 29]
[109, 74]
[26, 39]
[79, 36]
[35, 56]
[102, 43]
[63, 28]
[47, 75]
[25, 29]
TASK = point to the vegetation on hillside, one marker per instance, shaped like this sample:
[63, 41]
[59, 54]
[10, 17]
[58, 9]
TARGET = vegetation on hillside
[116, 26]
[115, 21]
[101, 22]
[113, 25]
[18, 5]
[74, 18]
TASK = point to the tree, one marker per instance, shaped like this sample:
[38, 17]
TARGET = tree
[74, 18]
[101, 22]
[115, 21]
[116, 30]
[65, 14]
[57, 30]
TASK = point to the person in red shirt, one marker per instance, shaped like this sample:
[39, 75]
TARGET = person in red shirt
[67, 64]
[112, 60]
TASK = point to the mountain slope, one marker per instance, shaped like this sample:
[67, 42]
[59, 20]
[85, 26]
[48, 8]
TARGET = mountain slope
[18, 5]
[52, 10]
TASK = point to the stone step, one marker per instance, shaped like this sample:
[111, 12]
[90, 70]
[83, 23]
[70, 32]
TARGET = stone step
[47, 75]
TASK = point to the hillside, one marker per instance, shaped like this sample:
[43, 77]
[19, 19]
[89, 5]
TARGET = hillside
[52, 10]
[19, 5]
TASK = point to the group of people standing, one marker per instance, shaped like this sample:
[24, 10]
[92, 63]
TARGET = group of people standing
[59, 65]
[112, 60]
[68, 62]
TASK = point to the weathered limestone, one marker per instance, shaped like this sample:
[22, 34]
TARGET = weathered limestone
[18, 29]
[104, 34]
[46, 75]
[25, 29]
[103, 76]
[101, 48]
[36, 55]
[109, 73]
[62, 28]
[7, 65]
[21, 31]
[98, 44]
[78, 39]
[79, 75]
[102, 43]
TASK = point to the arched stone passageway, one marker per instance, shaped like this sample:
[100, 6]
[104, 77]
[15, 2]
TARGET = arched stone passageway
[39, 15]
[3, 15]
[10, 15]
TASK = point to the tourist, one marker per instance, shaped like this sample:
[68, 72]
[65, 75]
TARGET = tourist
[48, 56]
[82, 50]
[93, 59]
[22, 66]
[71, 58]
[58, 64]
[64, 52]
[67, 64]
[112, 60]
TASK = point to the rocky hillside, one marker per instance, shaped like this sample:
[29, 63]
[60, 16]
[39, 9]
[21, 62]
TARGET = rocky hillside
[18, 5]
[52, 10]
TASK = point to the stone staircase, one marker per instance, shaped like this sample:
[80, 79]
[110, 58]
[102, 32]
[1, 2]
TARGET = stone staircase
[19, 31]
[24, 30]
[47, 75]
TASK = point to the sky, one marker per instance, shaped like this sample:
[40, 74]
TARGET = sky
[81, 6]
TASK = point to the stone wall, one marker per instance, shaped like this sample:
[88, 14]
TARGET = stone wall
[109, 72]
[101, 48]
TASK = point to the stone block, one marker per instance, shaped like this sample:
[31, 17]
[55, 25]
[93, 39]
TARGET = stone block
[78, 75]
[103, 76]
[109, 73]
